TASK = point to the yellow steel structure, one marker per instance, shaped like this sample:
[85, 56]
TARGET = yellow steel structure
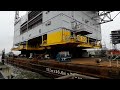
[62, 36]
[20, 47]
[54, 37]
[24, 47]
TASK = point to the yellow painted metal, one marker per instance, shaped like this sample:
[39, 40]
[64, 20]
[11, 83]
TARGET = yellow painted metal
[57, 37]
[46, 45]
[66, 35]
[33, 48]
[36, 48]
[26, 47]
[20, 47]
[62, 36]
[88, 40]
[82, 38]
[44, 42]
[14, 49]
[89, 45]
[54, 37]
[85, 45]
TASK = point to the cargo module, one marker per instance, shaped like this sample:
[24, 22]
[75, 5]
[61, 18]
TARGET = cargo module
[55, 31]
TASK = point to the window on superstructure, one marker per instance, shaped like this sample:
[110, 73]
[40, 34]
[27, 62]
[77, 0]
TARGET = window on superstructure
[34, 19]
[23, 28]
[35, 22]
[32, 14]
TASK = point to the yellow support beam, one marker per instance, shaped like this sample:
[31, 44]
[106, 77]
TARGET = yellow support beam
[30, 48]
[62, 37]
[85, 45]
[20, 47]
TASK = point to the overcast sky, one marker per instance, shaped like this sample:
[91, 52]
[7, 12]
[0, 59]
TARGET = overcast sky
[7, 29]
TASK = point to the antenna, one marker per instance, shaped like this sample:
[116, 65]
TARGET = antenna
[16, 15]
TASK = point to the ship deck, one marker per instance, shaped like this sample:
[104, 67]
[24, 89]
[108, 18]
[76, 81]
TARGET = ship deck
[85, 66]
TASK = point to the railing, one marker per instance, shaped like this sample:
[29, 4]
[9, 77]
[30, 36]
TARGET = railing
[77, 38]
[82, 39]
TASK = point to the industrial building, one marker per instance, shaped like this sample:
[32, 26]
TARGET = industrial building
[115, 36]
[55, 31]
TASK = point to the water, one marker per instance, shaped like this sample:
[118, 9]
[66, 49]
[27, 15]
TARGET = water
[25, 74]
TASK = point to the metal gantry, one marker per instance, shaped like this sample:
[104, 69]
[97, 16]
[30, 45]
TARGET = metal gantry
[104, 16]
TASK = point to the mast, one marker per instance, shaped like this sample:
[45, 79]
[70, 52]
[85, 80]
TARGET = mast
[16, 16]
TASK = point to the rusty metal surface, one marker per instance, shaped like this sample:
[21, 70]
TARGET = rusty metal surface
[90, 70]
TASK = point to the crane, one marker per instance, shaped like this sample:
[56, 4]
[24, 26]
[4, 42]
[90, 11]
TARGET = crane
[104, 16]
